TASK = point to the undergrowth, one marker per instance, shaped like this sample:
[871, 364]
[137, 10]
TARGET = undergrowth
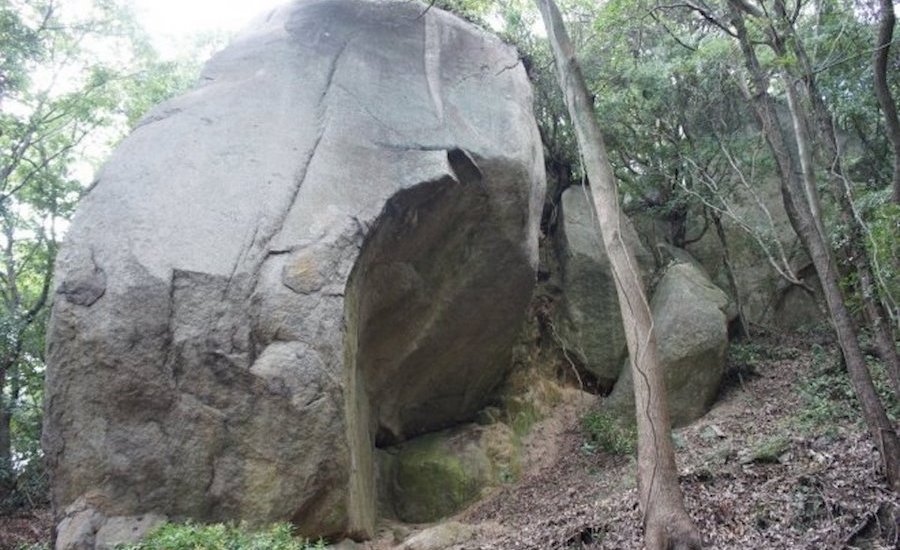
[602, 430]
[220, 536]
[829, 398]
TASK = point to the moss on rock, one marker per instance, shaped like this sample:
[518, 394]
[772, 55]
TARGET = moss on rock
[437, 474]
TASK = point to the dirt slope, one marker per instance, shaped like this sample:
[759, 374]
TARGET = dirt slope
[767, 468]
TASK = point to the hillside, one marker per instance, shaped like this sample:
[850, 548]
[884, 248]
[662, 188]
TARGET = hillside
[781, 461]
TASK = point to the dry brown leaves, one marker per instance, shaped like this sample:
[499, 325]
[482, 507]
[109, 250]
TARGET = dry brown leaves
[817, 492]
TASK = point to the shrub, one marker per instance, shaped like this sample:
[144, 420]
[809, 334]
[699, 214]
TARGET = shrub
[603, 430]
[220, 536]
[829, 398]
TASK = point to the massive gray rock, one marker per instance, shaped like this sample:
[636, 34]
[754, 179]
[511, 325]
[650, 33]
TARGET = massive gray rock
[329, 243]
[690, 316]
[767, 298]
[590, 325]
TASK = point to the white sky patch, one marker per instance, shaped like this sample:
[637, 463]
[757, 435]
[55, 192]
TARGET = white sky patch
[172, 23]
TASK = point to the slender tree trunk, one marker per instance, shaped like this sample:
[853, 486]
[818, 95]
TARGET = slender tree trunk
[7, 479]
[854, 247]
[666, 523]
[804, 152]
[801, 219]
[883, 91]
[729, 273]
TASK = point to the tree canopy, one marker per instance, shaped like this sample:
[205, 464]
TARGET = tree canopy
[72, 82]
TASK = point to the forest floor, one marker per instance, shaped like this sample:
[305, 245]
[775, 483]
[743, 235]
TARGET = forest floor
[25, 529]
[780, 462]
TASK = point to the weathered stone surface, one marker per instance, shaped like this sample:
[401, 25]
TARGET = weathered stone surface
[126, 529]
[590, 325]
[767, 297]
[78, 527]
[690, 318]
[440, 537]
[330, 241]
[434, 476]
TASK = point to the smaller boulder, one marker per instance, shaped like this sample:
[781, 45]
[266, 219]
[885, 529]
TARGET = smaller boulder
[440, 537]
[84, 527]
[78, 528]
[438, 474]
[690, 316]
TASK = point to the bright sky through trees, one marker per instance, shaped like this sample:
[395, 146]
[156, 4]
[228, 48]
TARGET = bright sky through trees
[171, 22]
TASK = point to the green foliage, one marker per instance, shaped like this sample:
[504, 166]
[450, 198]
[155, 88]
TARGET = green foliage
[746, 356]
[742, 362]
[604, 431]
[522, 416]
[220, 536]
[884, 243]
[829, 399]
[827, 395]
[73, 80]
[473, 10]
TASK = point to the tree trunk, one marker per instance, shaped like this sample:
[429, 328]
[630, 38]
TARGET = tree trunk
[729, 272]
[883, 92]
[800, 216]
[854, 247]
[804, 152]
[7, 477]
[666, 523]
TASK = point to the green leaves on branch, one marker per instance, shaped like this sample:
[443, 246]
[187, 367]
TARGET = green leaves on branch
[73, 80]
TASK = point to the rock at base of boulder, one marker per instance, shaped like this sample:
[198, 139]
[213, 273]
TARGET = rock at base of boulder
[445, 535]
[84, 527]
[436, 475]
[126, 530]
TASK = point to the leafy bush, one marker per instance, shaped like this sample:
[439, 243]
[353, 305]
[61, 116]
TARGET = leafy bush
[220, 536]
[884, 242]
[603, 430]
[829, 398]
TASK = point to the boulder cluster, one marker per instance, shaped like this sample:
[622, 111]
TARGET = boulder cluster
[295, 289]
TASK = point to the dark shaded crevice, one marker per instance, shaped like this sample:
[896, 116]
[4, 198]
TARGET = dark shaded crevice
[433, 307]
[464, 167]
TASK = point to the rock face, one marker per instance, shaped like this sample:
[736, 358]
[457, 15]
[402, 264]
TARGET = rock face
[691, 320]
[767, 298]
[329, 243]
[590, 324]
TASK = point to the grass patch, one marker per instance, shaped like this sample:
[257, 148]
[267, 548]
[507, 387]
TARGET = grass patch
[222, 536]
[604, 431]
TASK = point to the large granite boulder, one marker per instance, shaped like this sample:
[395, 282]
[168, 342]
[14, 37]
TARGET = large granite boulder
[690, 316]
[590, 325]
[329, 243]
